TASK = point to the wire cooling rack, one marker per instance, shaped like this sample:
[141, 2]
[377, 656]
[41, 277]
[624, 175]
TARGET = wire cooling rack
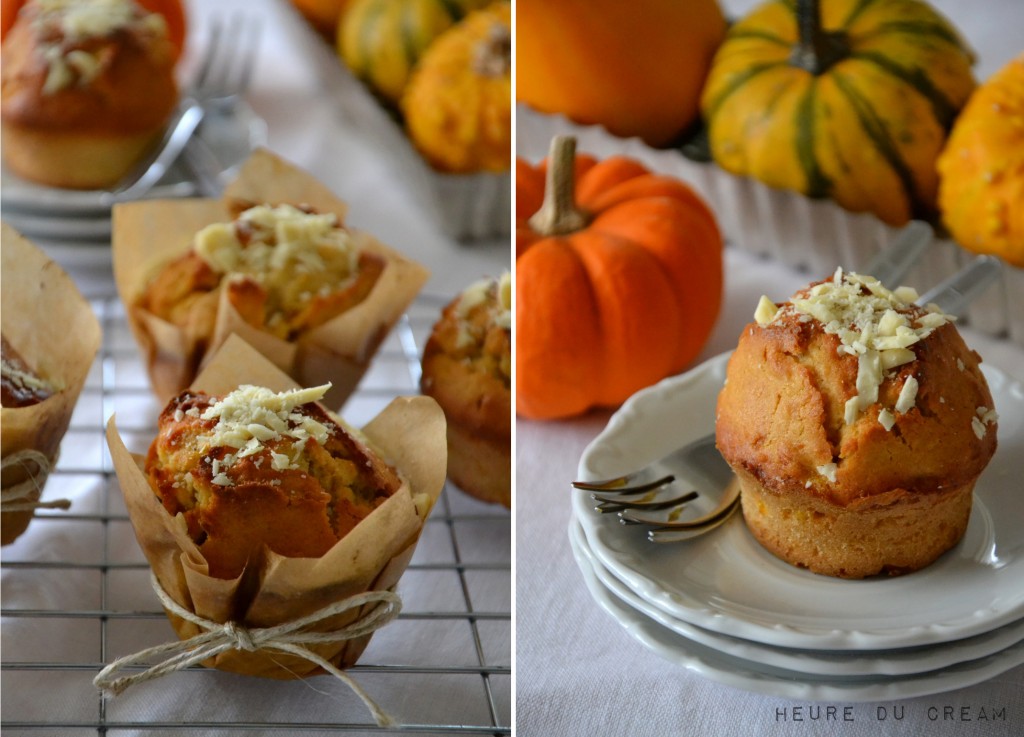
[76, 595]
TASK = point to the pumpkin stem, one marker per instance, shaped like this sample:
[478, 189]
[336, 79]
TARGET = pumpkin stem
[558, 214]
[493, 55]
[816, 49]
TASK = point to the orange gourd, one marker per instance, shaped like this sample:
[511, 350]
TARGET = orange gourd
[636, 68]
[618, 281]
[324, 15]
[172, 10]
[981, 170]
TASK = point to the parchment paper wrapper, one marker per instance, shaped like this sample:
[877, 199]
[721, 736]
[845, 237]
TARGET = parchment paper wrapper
[149, 234]
[48, 322]
[409, 434]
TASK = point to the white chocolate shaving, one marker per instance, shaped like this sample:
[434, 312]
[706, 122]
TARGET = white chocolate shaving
[908, 396]
[828, 470]
[252, 415]
[871, 323]
[766, 311]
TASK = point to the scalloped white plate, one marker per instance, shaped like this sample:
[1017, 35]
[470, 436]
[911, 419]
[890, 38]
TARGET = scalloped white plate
[831, 663]
[51, 212]
[726, 582]
[769, 680]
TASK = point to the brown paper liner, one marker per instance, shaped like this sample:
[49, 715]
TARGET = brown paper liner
[50, 324]
[149, 234]
[409, 434]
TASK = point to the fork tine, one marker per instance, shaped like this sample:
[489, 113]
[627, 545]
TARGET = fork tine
[249, 57]
[232, 51]
[618, 486]
[648, 501]
[210, 55]
[728, 503]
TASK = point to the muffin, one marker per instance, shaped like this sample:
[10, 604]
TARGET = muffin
[284, 270]
[257, 468]
[254, 505]
[467, 368]
[857, 424]
[49, 338]
[271, 261]
[88, 87]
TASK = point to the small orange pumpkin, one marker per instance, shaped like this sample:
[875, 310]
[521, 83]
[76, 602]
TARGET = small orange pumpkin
[636, 67]
[981, 170]
[618, 280]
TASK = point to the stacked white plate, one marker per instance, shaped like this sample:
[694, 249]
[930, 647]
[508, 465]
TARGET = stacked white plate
[76, 223]
[724, 607]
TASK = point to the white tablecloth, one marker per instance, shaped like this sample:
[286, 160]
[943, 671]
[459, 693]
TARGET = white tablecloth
[579, 673]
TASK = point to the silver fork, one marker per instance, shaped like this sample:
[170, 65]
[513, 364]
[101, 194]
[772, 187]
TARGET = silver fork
[224, 74]
[698, 465]
[647, 496]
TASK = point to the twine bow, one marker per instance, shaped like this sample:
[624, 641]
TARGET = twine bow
[18, 498]
[288, 638]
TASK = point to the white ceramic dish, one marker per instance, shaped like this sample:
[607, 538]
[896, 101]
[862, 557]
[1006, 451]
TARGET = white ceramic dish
[726, 582]
[71, 227]
[37, 200]
[769, 680]
[229, 137]
[831, 663]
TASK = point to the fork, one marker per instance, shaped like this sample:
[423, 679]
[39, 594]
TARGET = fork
[224, 74]
[698, 463]
[636, 495]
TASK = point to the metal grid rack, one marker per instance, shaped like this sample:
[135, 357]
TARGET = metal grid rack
[76, 595]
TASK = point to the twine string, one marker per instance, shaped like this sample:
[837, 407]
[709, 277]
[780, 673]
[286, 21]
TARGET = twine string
[19, 497]
[287, 638]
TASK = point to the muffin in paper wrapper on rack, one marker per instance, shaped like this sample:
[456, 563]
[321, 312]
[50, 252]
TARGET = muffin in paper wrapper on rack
[149, 236]
[409, 435]
[54, 331]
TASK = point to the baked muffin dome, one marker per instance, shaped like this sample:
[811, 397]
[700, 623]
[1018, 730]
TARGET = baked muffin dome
[256, 468]
[285, 270]
[87, 88]
[857, 423]
[467, 368]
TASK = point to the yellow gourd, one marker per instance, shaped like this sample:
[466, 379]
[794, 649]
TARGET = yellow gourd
[981, 170]
[457, 105]
[381, 40]
[839, 98]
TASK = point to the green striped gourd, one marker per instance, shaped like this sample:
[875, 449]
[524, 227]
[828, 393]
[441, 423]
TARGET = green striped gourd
[381, 40]
[848, 99]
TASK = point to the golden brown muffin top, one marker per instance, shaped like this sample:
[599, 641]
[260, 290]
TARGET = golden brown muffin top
[481, 325]
[258, 468]
[467, 363]
[88, 64]
[851, 392]
[20, 385]
[286, 269]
